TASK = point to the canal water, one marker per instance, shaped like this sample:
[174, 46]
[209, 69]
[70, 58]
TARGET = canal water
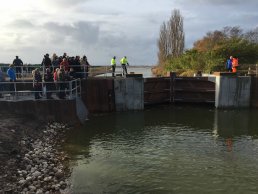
[167, 149]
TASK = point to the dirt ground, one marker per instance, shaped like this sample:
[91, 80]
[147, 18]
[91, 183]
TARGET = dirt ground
[13, 130]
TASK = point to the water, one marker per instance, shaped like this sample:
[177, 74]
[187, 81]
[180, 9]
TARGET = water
[167, 150]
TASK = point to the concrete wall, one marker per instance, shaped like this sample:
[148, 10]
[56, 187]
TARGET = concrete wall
[47, 110]
[254, 92]
[129, 94]
[232, 92]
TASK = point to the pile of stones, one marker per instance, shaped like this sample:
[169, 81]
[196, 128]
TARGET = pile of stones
[42, 168]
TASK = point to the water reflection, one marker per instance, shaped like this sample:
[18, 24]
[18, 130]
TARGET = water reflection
[170, 149]
[233, 123]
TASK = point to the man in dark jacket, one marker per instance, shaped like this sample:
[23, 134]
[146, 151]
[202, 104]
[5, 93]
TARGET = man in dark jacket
[18, 65]
[46, 62]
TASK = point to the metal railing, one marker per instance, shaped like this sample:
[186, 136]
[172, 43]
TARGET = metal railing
[45, 90]
[26, 71]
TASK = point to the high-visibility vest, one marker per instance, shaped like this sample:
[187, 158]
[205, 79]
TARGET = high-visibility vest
[235, 62]
[123, 60]
[113, 61]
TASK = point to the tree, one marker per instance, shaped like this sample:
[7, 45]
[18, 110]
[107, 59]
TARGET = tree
[252, 35]
[163, 44]
[172, 39]
[176, 34]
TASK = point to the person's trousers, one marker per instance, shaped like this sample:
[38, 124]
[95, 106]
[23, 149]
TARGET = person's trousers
[113, 70]
[124, 69]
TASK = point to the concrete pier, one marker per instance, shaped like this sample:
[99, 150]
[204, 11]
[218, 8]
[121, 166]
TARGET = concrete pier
[232, 91]
[129, 93]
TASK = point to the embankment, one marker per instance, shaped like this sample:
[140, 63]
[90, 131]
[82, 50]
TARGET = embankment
[31, 156]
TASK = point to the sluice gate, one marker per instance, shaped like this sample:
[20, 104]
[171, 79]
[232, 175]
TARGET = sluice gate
[179, 89]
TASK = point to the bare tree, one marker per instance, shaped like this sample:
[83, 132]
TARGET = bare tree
[252, 35]
[172, 39]
[176, 34]
[233, 32]
[163, 44]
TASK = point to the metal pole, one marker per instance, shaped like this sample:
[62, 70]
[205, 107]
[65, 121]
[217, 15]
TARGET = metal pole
[70, 90]
[22, 76]
[84, 72]
[15, 94]
[76, 91]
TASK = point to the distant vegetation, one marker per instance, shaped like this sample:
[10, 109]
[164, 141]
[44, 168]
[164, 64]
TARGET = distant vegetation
[210, 53]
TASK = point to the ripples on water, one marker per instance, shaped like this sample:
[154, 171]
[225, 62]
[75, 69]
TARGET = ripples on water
[167, 150]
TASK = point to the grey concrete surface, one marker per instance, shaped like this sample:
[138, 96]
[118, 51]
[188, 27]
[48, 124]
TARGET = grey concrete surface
[233, 92]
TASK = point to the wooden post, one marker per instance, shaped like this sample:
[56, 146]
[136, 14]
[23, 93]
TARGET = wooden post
[256, 70]
[172, 86]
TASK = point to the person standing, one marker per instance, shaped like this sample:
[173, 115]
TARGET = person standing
[62, 84]
[49, 80]
[113, 65]
[46, 63]
[124, 62]
[85, 65]
[18, 65]
[234, 64]
[64, 64]
[37, 83]
[12, 76]
[229, 64]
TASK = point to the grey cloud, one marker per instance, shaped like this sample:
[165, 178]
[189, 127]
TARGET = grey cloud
[21, 24]
[65, 3]
[140, 50]
[81, 32]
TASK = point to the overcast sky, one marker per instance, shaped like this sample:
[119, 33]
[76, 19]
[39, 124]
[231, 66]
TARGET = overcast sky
[101, 29]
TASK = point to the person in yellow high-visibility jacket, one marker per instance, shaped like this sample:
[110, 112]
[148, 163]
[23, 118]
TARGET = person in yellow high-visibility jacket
[113, 65]
[124, 62]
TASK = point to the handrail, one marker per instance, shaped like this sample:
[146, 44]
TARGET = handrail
[26, 71]
[73, 88]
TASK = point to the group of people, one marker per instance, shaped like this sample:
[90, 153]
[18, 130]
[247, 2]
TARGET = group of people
[56, 71]
[56, 81]
[79, 65]
[232, 64]
[123, 63]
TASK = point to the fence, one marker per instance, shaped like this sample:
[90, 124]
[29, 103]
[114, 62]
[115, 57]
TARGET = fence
[81, 71]
[27, 90]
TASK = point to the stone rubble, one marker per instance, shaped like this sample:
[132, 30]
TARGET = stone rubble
[42, 169]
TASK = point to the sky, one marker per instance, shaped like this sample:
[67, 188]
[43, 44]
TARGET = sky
[101, 29]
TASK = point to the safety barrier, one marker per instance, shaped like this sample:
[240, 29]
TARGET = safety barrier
[26, 90]
[26, 71]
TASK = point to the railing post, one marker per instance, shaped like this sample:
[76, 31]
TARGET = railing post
[22, 73]
[15, 93]
[84, 72]
[70, 89]
[44, 93]
[80, 86]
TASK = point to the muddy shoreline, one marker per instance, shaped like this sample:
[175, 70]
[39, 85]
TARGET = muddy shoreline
[31, 156]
